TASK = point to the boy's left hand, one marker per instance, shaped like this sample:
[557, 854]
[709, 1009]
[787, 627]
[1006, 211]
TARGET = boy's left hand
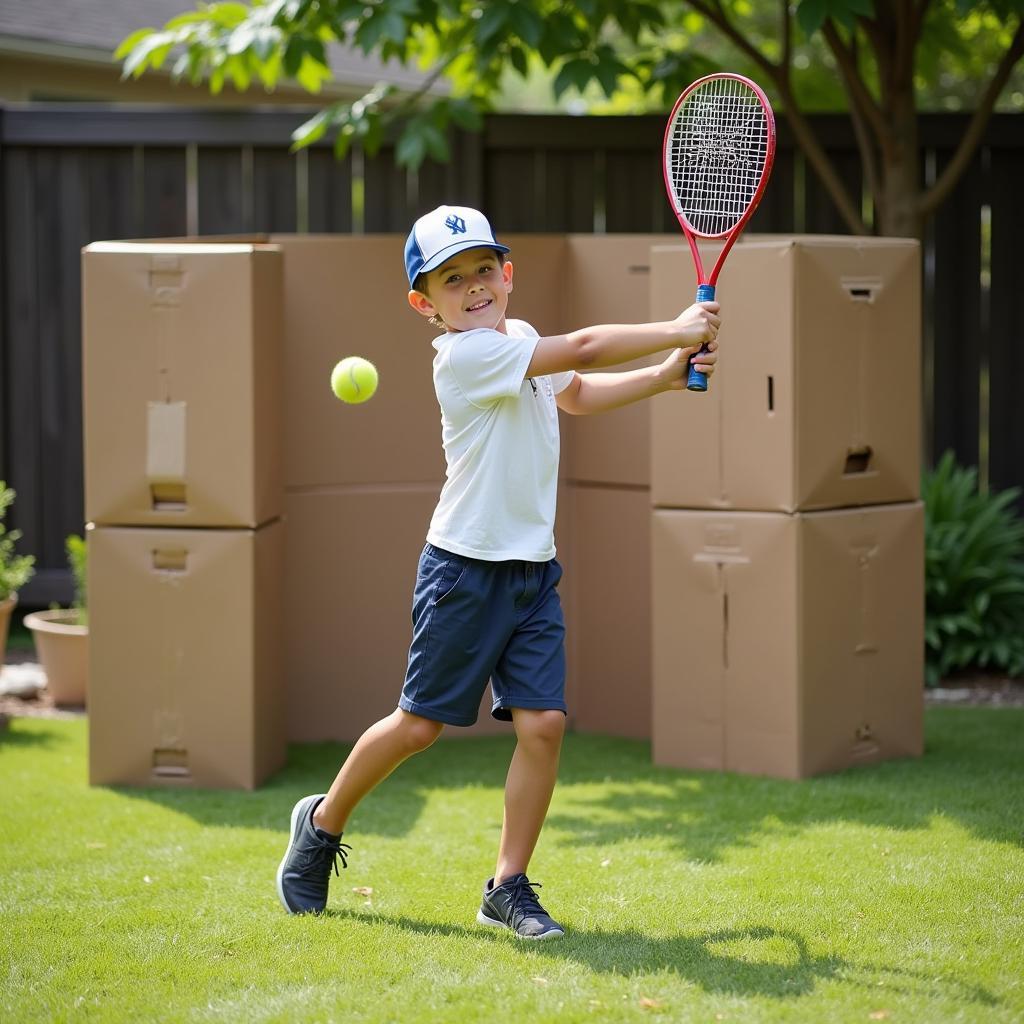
[676, 368]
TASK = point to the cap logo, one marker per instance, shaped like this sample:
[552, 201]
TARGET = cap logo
[456, 224]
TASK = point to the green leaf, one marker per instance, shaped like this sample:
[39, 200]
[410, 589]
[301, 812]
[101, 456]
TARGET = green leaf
[312, 74]
[495, 14]
[241, 39]
[239, 73]
[141, 56]
[465, 114]
[227, 14]
[385, 25]
[411, 148]
[314, 129]
[265, 41]
[130, 42]
[573, 73]
[811, 14]
[517, 56]
[293, 54]
[526, 23]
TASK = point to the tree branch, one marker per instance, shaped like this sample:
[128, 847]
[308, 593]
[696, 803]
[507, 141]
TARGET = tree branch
[937, 194]
[715, 14]
[860, 130]
[787, 37]
[802, 131]
[856, 90]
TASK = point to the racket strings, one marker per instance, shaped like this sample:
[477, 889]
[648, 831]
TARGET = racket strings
[717, 150]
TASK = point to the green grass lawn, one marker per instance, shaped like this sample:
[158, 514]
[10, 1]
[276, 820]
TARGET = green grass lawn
[887, 893]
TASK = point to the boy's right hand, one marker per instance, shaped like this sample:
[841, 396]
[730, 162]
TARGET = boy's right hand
[698, 324]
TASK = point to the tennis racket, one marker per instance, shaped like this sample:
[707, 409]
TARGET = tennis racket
[719, 149]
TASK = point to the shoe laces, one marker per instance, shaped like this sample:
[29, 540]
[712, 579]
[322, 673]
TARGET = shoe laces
[328, 852]
[523, 899]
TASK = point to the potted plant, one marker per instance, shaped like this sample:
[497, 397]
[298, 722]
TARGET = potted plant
[61, 635]
[15, 570]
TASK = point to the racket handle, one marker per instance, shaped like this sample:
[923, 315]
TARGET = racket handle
[697, 381]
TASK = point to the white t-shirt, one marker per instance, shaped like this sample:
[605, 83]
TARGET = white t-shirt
[500, 435]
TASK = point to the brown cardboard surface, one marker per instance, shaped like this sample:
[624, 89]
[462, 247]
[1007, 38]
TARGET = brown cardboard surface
[346, 295]
[609, 578]
[608, 281]
[181, 384]
[347, 607]
[185, 666]
[787, 645]
[817, 399]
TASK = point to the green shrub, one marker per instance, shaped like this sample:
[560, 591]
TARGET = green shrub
[76, 551]
[15, 570]
[974, 574]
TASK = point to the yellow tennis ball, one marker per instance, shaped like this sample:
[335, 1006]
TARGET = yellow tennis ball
[354, 380]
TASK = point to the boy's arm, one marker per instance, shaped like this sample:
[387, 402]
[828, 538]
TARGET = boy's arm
[599, 392]
[610, 344]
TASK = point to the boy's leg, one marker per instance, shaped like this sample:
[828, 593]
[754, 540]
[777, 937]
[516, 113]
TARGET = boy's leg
[510, 900]
[317, 821]
[378, 752]
[528, 787]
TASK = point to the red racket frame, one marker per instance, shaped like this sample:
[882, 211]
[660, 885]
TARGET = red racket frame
[730, 236]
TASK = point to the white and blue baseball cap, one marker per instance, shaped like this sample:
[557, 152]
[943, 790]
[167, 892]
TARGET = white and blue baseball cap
[440, 234]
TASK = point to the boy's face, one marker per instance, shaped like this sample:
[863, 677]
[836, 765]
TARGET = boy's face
[468, 291]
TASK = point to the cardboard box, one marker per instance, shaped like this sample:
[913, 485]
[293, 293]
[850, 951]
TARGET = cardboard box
[817, 399]
[347, 614]
[346, 295]
[787, 645]
[608, 571]
[186, 675]
[182, 369]
[608, 281]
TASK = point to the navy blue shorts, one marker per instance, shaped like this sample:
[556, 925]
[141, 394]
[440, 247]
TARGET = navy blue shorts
[474, 620]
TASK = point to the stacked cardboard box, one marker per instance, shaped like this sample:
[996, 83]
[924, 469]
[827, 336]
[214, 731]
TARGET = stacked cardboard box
[183, 480]
[787, 539]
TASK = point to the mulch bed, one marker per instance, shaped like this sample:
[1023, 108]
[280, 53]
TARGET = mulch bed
[977, 690]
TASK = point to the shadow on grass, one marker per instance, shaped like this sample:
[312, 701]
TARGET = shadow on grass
[13, 736]
[609, 791]
[703, 958]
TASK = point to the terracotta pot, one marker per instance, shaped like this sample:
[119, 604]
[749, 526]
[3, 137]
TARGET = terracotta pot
[63, 650]
[7, 607]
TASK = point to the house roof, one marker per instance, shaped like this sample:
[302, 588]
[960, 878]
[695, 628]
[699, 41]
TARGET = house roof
[90, 30]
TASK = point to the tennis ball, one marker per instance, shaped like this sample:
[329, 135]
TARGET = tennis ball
[354, 380]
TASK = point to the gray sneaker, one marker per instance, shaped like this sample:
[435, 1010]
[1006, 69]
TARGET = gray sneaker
[305, 871]
[514, 905]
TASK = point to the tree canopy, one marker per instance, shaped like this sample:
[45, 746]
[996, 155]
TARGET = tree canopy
[883, 55]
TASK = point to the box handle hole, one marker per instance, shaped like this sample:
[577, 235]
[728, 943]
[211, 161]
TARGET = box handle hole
[858, 460]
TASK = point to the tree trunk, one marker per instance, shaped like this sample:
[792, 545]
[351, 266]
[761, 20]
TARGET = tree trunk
[898, 212]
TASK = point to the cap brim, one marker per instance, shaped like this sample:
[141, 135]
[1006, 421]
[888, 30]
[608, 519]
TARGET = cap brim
[460, 246]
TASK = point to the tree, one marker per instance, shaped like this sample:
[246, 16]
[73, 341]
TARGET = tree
[878, 47]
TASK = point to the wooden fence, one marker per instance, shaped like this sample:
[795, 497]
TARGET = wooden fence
[72, 174]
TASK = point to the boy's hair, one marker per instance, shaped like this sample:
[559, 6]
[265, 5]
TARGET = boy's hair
[420, 285]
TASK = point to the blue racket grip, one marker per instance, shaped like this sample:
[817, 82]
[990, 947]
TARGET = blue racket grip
[697, 381]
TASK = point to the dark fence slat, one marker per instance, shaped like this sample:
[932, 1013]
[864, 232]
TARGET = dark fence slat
[776, 206]
[511, 182]
[21, 327]
[221, 197]
[634, 193]
[568, 198]
[274, 192]
[957, 331]
[386, 194]
[164, 197]
[820, 213]
[330, 192]
[1006, 340]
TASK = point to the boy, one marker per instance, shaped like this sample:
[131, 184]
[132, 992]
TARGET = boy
[485, 604]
